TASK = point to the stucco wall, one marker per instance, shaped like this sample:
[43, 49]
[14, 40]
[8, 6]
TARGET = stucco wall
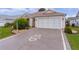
[30, 21]
[63, 22]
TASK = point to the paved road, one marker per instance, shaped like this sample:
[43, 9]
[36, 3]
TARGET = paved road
[34, 39]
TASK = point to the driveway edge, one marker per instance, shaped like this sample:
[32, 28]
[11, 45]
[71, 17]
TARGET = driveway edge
[66, 42]
[14, 35]
[10, 36]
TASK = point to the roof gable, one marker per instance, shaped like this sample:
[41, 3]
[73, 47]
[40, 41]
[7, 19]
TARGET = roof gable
[46, 13]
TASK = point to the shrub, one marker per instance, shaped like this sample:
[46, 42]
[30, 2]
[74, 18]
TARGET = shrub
[68, 30]
[73, 25]
[8, 24]
[21, 23]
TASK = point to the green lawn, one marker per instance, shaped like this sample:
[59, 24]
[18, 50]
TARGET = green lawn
[5, 32]
[74, 39]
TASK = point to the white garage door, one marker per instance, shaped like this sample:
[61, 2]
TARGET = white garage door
[48, 22]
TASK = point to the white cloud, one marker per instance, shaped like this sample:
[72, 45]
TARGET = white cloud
[18, 11]
[14, 11]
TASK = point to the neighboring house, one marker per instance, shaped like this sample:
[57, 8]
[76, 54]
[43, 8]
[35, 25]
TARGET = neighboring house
[77, 19]
[47, 19]
[74, 20]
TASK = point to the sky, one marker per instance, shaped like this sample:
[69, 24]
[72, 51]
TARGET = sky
[70, 12]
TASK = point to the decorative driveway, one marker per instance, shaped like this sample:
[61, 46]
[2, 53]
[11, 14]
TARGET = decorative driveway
[34, 39]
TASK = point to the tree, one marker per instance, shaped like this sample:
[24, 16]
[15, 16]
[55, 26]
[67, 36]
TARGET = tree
[21, 23]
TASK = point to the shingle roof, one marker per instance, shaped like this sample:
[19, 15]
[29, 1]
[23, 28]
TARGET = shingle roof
[46, 13]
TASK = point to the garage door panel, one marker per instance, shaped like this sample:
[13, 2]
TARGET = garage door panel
[48, 23]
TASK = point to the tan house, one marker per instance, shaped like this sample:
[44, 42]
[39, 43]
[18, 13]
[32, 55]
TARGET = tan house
[47, 19]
